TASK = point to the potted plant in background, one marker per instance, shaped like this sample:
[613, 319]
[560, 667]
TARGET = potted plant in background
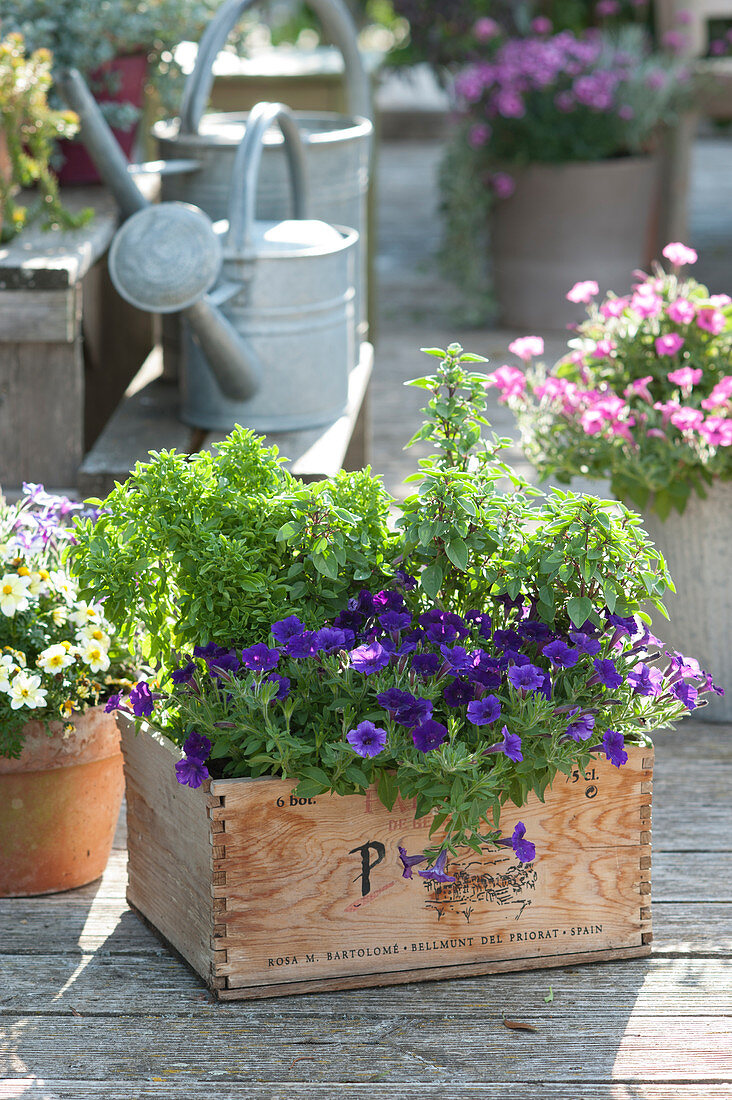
[28, 130]
[117, 46]
[61, 779]
[552, 166]
[644, 398]
[490, 645]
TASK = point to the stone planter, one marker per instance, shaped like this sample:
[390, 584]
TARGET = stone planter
[59, 804]
[566, 223]
[696, 546]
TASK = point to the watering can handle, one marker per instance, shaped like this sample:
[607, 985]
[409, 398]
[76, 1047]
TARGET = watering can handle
[336, 21]
[245, 174]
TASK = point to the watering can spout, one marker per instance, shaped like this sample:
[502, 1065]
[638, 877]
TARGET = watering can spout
[165, 257]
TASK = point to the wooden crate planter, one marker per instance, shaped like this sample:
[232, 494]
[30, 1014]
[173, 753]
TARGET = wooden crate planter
[265, 894]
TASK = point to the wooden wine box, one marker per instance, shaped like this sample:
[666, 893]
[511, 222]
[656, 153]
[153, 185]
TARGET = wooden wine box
[266, 894]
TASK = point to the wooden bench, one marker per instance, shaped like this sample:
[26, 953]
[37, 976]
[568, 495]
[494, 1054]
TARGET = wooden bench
[147, 420]
[69, 345]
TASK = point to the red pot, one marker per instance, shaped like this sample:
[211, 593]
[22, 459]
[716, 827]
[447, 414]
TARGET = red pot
[59, 804]
[130, 74]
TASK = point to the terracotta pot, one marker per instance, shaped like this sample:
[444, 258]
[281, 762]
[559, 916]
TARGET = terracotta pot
[566, 223]
[130, 73]
[696, 546]
[59, 804]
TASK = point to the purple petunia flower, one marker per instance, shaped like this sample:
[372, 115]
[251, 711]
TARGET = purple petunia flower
[425, 664]
[687, 694]
[408, 862]
[406, 580]
[606, 673]
[370, 658]
[439, 633]
[260, 658]
[206, 651]
[582, 727]
[560, 654]
[584, 642]
[429, 735]
[388, 600]
[410, 641]
[142, 700]
[197, 747]
[645, 680]
[436, 873]
[613, 744]
[284, 684]
[526, 677]
[485, 670]
[184, 674]
[395, 620]
[511, 746]
[457, 693]
[113, 703]
[406, 709]
[330, 639]
[625, 623]
[286, 628]
[227, 662]
[481, 712]
[191, 772]
[507, 639]
[366, 739]
[393, 699]
[524, 850]
[684, 666]
[301, 646]
[534, 630]
[456, 659]
[349, 620]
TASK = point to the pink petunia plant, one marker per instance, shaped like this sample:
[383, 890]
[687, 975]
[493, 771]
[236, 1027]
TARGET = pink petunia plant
[643, 395]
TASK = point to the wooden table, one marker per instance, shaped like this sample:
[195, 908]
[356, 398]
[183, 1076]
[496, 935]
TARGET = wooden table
[147, 420]
[69, 345]
[94, 1008]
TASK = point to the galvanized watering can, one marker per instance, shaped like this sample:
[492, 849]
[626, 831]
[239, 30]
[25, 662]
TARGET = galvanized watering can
[270, 345]
[337, 147]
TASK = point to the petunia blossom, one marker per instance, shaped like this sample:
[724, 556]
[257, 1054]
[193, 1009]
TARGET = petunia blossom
[481, 712]
[679, 254]
[583, 292]
[370, 658]
[669, 344]
[712, 321]
[560, 654]
[408, 862]
[429, 735]
[613, 745]
[436, 873]
[682, 311]
[523, 849]
[527, 347]
[366, 739]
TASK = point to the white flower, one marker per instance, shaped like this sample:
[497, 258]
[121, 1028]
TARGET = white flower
[13, 594]
[7, 668]
[26, 691]
[94, 655]
[38, 584]
[60, 616]
[55, 658]
[63, 585]
[94, 633]
[85, 613]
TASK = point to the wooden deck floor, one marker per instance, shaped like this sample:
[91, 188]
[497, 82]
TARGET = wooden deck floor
[92, 1006]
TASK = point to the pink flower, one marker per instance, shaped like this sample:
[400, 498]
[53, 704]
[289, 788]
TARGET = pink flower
[655, 433]
[667, 409]
[603, 348]
[542, 25]
[678, 254]
[479, 135]
[682, 311]
[509, 380]
[639, 388]
[686, 378]
[503, 184]
[720, 395]
[669, 344]
[645, 302]
[613, 307]
[583, 292]
[719, 301]
[485, 29]
[687, 420]
[711, 320]
[592, 421]
[527, 347]
[717, 431]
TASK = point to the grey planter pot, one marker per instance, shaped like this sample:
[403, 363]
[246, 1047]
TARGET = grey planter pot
[697, 547]
[566, 223]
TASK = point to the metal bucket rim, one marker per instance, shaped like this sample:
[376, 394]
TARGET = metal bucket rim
[353, 127]
[350, 239]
